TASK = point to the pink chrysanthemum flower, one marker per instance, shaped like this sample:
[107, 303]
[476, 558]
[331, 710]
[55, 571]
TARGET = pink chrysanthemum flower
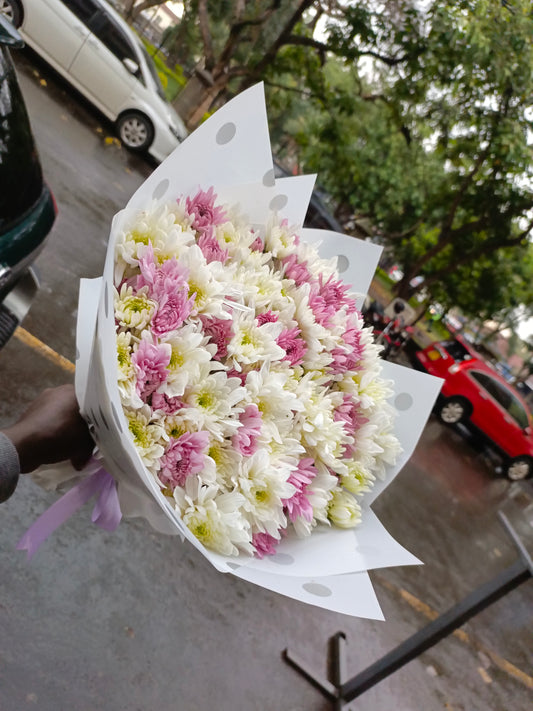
[267, 317]
[150, 365]
[183, 457]
[168, 277]
[211, 249]
[334, 293]
[299, 506]
[264, 544]
[322, 311]
[167, 404]
[257, 245]
[220, 332]
[350, 354]
[245, 439]
[173, 308]
[350, 415]
[296, 270]
[295, 348]
[203, 211]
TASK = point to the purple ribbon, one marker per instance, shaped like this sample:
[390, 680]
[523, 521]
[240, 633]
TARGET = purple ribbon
[106, 512]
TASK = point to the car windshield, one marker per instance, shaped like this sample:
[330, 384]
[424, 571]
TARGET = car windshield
[457, 351]
[153, 72]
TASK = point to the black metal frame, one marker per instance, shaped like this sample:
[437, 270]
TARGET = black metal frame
[341, 692]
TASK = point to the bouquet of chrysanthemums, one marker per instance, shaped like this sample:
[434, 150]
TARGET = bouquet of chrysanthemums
[234, 393]
[251, 388]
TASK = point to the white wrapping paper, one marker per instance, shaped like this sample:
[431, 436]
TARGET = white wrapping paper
[231, 151]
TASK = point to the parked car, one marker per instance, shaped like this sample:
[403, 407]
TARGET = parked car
[27, 208]
[475, 395]
[89, 44]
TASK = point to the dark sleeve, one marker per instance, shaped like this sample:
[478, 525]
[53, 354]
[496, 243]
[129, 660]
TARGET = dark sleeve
[9, 467]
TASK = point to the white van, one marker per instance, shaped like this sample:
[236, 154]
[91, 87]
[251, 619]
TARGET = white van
[99, 54]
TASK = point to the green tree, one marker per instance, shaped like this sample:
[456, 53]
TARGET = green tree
[433, 145]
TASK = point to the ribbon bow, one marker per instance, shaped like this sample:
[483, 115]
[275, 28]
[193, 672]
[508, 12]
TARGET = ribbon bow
[106, 512]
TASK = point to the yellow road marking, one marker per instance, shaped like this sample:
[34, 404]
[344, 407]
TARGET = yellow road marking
[28, 339]
[466, 638]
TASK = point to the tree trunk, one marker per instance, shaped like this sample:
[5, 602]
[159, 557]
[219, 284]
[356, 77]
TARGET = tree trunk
[195, 99]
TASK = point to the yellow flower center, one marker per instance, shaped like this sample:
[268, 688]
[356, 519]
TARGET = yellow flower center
[206, 400]
[123, 355]
[139, 237]
[176, 359]
[140, 435]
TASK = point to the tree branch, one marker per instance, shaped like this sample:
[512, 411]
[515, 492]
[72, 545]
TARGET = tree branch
[207, 40]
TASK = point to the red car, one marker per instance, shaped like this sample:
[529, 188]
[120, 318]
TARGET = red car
[475, 395]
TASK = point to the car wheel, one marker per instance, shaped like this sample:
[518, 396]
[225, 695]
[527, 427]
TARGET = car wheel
[519, 468]
[12, 10]
[454, 410]
[135, 130]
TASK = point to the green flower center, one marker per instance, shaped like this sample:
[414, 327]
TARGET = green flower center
[261, 495]
[206, 401]
[140, 435]
[137, 304]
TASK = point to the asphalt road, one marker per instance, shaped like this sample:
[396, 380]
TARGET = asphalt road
[134, 620]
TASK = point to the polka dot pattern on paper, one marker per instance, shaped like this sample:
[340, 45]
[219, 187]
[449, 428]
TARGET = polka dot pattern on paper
[226, 133]
[160, 189]
[403, 401]
[317, 589]
[342, 263]
[278, 202]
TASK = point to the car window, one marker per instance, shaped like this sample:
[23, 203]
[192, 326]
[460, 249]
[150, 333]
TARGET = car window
[494, 388]
[504, 397]
[114, 39]
[153, 72]
[518, 413]
[83, 9]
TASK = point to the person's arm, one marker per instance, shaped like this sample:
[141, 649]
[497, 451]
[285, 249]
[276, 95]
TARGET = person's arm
[50, 430]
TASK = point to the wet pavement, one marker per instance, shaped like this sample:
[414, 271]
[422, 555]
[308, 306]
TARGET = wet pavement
[135, 620]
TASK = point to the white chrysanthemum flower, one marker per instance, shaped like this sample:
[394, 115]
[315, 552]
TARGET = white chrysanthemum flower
[287, 452]
[265, 488]
[316, 265]
[318, 428]
[314, 335]
[127, 382]
[214, 404]
[207, 282]
[253, 344]
[319, 492]
[157, 226]
[226, 461]
[133, 311]
[277, 404]
[280, 238]
[357, 479]
[190, 353]
[149, 437]
[178, 208]
[265, 289]
[215, 519]
[343, 510]
[237, 239]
